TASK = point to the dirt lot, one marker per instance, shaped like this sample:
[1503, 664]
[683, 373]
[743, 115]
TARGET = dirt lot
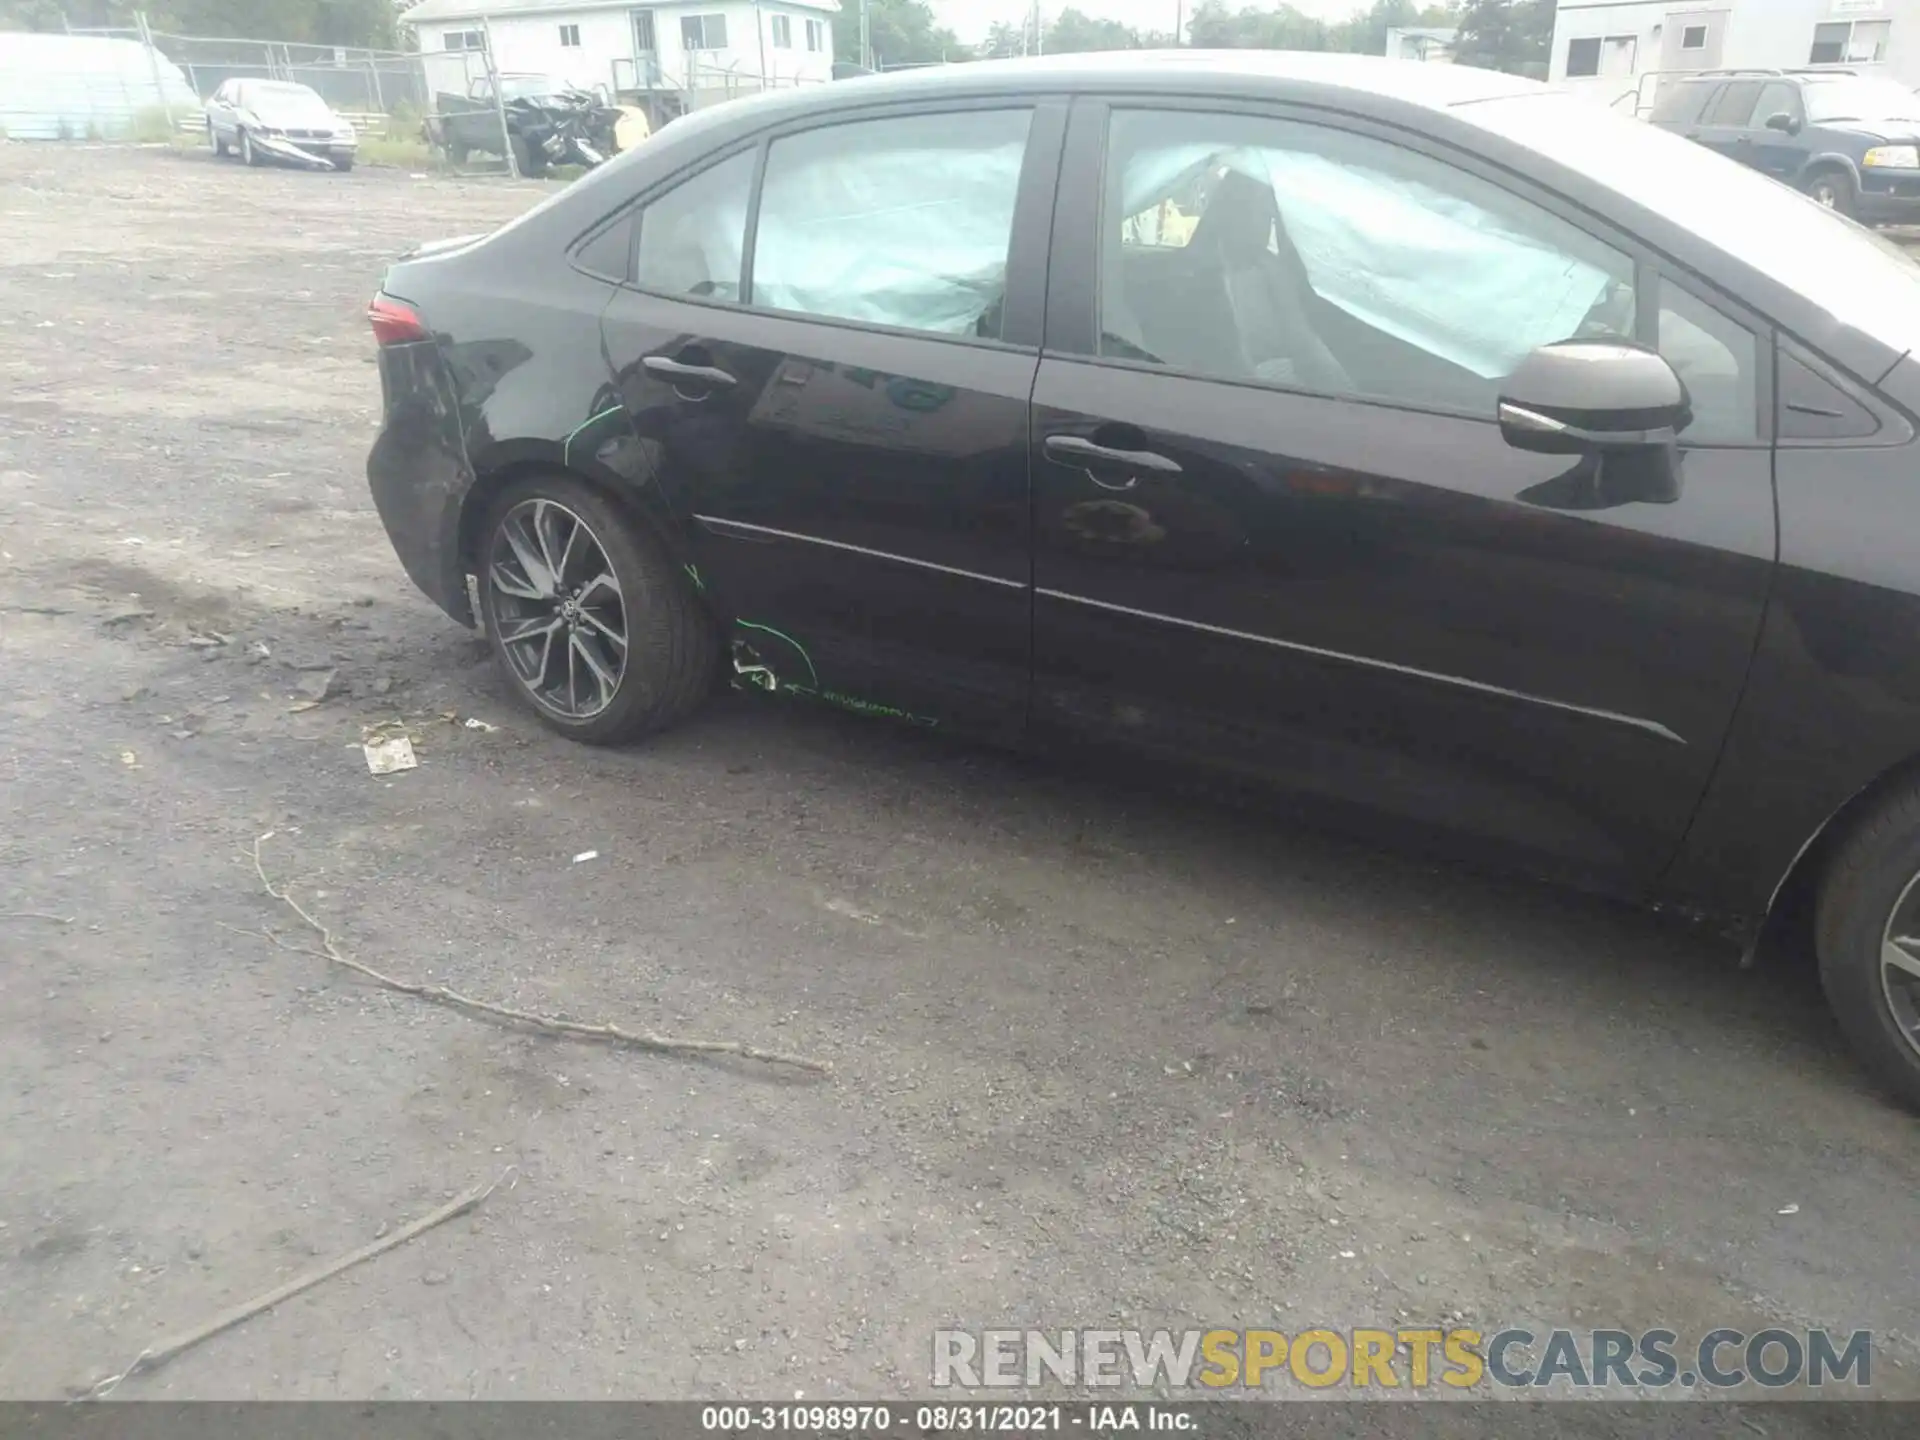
[1104, 1057]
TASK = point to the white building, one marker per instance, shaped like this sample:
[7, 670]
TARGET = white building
[670, 54]
[1618, 53]
[1421, 42]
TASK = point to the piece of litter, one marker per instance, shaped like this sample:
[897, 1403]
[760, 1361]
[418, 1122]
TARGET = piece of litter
[388, 754]
[1788, 1210]
[1346, 1255]
[133, 540]
[127, 757]
[473, 724]
[318, 686]
[586, 855]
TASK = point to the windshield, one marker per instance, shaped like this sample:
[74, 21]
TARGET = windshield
[286, 104]
[1850, 98]
[1862, 280]
[529, 87]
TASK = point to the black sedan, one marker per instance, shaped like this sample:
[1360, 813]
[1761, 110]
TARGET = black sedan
[1403, 436]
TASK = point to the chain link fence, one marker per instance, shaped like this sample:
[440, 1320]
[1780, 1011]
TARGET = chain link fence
[351, 79]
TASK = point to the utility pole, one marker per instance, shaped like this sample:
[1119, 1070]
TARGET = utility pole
[866, 37]
[1179, 22]
[1039, 32]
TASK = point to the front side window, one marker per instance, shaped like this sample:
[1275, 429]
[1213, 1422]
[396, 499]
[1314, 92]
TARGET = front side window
[1252, 249]
[703, 32]
[1719, 359]
[692, 239]
[1778, 98]
[900, 222]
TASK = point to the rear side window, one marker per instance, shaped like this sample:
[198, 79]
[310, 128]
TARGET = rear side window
[1735, 105]
[1682, 103]
[900, 222]
[693, 238]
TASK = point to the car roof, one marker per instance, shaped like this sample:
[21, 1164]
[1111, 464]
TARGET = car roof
[1433, 86]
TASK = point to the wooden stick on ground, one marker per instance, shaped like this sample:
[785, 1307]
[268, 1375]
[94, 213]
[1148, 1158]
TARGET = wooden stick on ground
[573, 1029]
[157, 1355]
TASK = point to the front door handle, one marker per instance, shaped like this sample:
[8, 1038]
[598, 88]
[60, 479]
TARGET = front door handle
[682, 373]
[1079, 451]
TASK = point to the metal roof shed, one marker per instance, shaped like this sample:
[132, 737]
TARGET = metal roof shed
[70, 87]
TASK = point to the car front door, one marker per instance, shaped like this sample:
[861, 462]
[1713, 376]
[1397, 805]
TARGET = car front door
[1778, 148]
[1278, 528]
[220, 112]
[834, 398]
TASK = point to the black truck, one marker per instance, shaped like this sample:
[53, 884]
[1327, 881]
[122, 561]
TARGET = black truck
[547, 123]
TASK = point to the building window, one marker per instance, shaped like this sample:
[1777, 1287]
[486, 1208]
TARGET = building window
[1583, 58]
[464, 40]
[782, 33]
[1856, 42]
[703, 32]
[1617, 54]
[1694, 37]
[570, 37]
[816, 35]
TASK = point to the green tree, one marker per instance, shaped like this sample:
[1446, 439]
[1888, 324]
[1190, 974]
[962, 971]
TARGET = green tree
[1252, 27]
[1073, 31]
[902, 32]
[1004, 41]
[1509, 35]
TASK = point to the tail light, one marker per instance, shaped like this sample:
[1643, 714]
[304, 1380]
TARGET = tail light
[395, 322]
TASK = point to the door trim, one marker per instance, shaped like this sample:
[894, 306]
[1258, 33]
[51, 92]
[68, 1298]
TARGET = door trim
[720, 523]
[1459, 682]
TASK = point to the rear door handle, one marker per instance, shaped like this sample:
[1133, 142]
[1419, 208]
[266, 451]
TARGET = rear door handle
[681, 372]
[1077, 451]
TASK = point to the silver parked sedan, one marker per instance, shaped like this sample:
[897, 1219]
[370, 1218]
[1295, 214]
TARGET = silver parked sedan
[265, 120]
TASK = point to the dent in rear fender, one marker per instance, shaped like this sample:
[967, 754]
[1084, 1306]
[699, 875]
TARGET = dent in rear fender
[545, 398]
[418, 472]
[1833, 699]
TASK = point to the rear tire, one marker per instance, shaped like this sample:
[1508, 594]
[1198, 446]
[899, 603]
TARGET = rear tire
[456, 153]
[1835, 190]
[1869, 895]
[672, 648]
[219, 145]
[343, 163]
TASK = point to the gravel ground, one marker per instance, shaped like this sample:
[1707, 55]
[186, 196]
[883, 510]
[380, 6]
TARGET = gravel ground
[1105, 1055]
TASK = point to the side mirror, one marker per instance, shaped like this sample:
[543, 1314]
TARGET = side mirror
[1619, 407]
[1582, 397]
[1784, 123]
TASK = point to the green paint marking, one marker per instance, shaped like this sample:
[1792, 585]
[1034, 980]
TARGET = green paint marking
[693, 574]
[566, 450]
[769, 630]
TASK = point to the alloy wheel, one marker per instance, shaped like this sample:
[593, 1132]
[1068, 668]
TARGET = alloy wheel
[558, 609]
[1900, 963]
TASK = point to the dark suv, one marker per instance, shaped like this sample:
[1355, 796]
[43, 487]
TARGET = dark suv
[1852, 142]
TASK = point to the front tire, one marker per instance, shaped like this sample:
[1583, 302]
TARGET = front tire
[219, 145]
[247, 153]
[1867, 932]
[1834, 189]
[343, 163]
[593, 626]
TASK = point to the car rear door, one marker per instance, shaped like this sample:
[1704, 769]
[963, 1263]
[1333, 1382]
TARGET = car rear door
[1277, 527]
[1727, 124]
[828, 349]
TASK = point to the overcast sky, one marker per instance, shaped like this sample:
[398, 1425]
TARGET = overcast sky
[971, 19]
